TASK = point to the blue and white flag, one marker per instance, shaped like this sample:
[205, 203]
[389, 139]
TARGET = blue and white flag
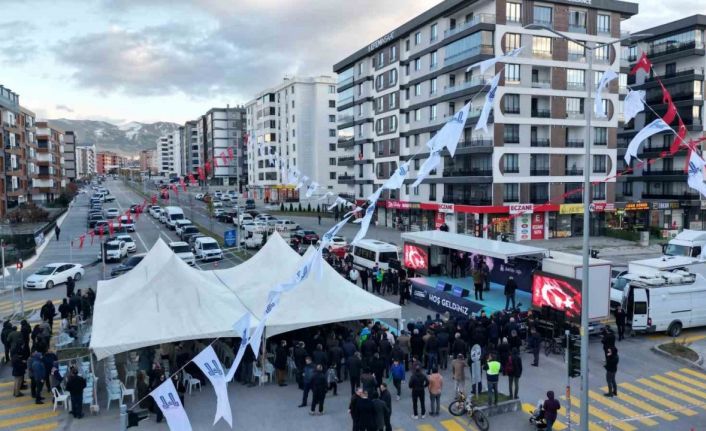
[256, 338]
[365, 223]
[167, 399]
[452, 131]
[339, 201]
[633, 104]
[211, 367]
[328, 194]
[328, 236]
[242, 327]
[429, 165]
[397, 179]
[608, 76]
[653, 128]
[292, 176]
[696, 173]
[487, 64]
[313, 187]
[488, 105]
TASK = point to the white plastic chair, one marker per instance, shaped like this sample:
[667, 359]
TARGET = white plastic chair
[125, 392]
[270, 371]
[60, 398]
[113, 392]
[259, 375]
[191, 382]
[130, 372]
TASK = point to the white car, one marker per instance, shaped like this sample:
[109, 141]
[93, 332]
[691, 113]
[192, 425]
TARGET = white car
[129, 242]
[255, 227]
[217, 212]
[111, 213]
[163, 217]
[336, 242]
[244, 218]
[155, 211]
[179, 225]
[128, 223]
[52, 274]
[617, 285]
[206, 248]
[225, 198]
[183, 251]
[218, 194]
[198, 196]
[286, 225]
[217, 204]
[114, 251]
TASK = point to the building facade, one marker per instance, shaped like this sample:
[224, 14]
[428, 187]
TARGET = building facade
[49, 180]
[191, 148]
[108, 162]
[85, 161]
[168, 154]
[394, 94]
[296, 120]
[657, 195]
[70, 156]
[148, 161]
[219, 130]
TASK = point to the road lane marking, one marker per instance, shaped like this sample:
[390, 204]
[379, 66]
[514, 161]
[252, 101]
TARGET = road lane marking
[681, 386]
[451, 425]
[693, 373]
[7, 423]
[643, 405]
[657, 399]
[43, 427]
[558, 425]
[669, 391]
[605, 417]
[627, 412]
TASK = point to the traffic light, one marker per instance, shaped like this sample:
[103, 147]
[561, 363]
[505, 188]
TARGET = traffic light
[574, 352]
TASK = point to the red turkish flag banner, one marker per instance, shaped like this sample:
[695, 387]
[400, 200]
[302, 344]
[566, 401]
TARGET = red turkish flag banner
[679, 139]
[111, 229]
[154, 200]
[202, 177]
[246, 138]
[224, 157]
[643, 63]
[231, 155]
[207, 167]
[92, 234]
[192, 180]
[671, 109]
[81, 239]
[182, 184]
[100, 231]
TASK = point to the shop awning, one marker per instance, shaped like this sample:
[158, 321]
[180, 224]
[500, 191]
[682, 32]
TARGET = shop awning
[470, 244]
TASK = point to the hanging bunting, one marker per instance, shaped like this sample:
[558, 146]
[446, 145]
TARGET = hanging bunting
[429, 165]
[397, 179]
[154, 199]
[231, 154]
[312, 189]
[488, 105]
[608, 76]
[167, 399]
[201, 174]
[224, 157]
[365, 223]
[451, 133]
[256, 338]
[81, 240]
[192, 180]
[92, 234]
[100, 231]
[696, 173]
[182, 183]
[633, 104]
[207, 167]
[111, 228]
[210, 365]
[215, 162]
[679, 138]
[328, 194]
[642, 64]
[653, 128]
[487, 64]
[671, 109]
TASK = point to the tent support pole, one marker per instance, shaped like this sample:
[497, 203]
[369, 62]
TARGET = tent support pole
[263, 350]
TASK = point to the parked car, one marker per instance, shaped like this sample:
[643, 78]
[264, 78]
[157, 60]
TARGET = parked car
[128, 223]
[188, 231]
[217, 204]
[192, 239]
[207, 248]
[217, 194]
[306, 236]
[101, 227]
[52, 274]
[245, 218]
[92, 220]
[155, 211]
[114, 250]
[129, 242]
[250, 204]
[225, 198]
[182, 249]
[227, 216]
[256, 226]
[181, 224]
[111, 213]
[199, 196]
[134, 207]
[286, 225]
[127, 265]
[109, 198]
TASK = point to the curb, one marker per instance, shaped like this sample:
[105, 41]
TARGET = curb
[697, 365]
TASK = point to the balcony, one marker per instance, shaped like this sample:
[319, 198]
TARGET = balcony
[483, 18]
[576, 86]
[539, 142]
[544, 22]
[680, 197]
[539, 53]
[343, 140]
[539, 172]
[576, 57]
[475, 143]
[577, 28]
[345, 119]
[471, 52]
[575, 115]
[465, 172]
[669, 49]
[574, 143]
[541, 83]
[345, 101]
[541, 113]
[679, 172]
[473, 82]
[466, 200]
[574, 171]
[346, 161]
[600, 143]
[345, 81]
[346, 179]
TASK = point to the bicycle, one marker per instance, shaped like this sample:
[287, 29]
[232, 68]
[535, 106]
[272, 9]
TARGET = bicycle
[554, 345]
[464, 405]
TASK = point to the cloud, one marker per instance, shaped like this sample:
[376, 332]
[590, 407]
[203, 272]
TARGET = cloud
[18, 45]
[653, 13]
[63, 108]
[239, 52]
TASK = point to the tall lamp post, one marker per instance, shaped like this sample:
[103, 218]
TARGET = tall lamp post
[586, 206]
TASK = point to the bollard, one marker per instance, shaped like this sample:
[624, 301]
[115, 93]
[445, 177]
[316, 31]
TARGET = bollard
[123, 417]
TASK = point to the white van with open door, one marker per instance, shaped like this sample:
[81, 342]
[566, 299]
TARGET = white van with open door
[368, 252]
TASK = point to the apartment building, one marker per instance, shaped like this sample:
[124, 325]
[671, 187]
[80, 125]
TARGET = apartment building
[148, 161]
[218, 130]
[69, 165]
[296, 120]
[191, 148]
[657, 195]
[85, 161]
[168, 154]
[108, 162]
[48, 180]
[396, 92]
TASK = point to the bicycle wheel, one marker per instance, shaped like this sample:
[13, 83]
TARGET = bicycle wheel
[481, 420]
[548, 347]
[457, 408]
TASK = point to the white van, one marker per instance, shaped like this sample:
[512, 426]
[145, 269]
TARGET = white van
[172, 214]
[207, 248]
[368, 252]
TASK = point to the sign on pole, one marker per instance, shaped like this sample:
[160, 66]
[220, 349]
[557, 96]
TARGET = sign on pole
[230, 238]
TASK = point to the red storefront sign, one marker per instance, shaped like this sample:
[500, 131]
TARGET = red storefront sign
[599, 207]
[538, 226]
[439, 219]
[521, 208]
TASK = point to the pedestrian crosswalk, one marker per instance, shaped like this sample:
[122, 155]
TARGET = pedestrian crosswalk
[9, 307]
[648, 403]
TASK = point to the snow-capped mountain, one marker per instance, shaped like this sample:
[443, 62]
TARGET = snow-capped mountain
[128, 138]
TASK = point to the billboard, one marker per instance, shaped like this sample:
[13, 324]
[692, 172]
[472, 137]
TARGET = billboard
[557, 292]
[416, 257]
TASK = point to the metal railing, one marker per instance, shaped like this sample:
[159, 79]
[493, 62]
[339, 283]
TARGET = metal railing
[477, 19]
[455, 172]
[539, 172]
[539, 143]
[541, 113]
[574, 143]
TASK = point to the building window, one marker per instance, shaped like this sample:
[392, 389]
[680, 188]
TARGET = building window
[576, 52]
[331, 104]
[599, 164]
[512, 74]
[513, 12]
[543, 15]
[602, 54]
[511, 134]
[392, 77]
[432, 112]
[627, 188]
[331, 175]
[331, 118]
[432, 86]
[331, 133]
[512, 41]
[381, 58]
[360, 69]
[577, 21]
[360, 89]
[418, 64]
[542, 46]
[379, 81]
[575, 79]
[511, 192]
[600, 136]
[393, 53]
[293, 104]
[603, 23]
[432, 192]
[574, 106]
[432, 59]
[418, 90]
[406, 45]
[417, 114]
[418, 38]
[512, 103]
[332, 147]
[332, 161]
[331, 89]
[393, 100]
[598, 191]
[511, 164]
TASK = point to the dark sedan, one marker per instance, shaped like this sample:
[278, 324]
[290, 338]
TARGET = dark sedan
[127, 265]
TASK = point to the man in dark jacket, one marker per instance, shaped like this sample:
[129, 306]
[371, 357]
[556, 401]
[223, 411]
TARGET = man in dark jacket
[364, 275]
[416, 344]
[432, 348]
[355, 366]
[49, 359]
[381, 411]
[510, 288]
[364, 413]
[320, 357]
[514, 372]
[459, 347]
[19, 366]
[442, 339]
[335, 358]
[300, 362]
[418, 384]
[319, 386]
[307, 376]
[551, 407]
[70, 286]
[620, 317]
[611, 367]
[608, 339]
[75, 386]
[37, 376]
[6, 330]
[387, 399]
[281, 354]
[533, 342]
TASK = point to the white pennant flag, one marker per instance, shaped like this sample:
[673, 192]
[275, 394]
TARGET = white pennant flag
[397, 179]
[242, 327]
[167, 399]
[256, 339]
[429, 165]
[339, 200]
[293, 177]
[608, 76]
[312, 189]
[653, 128]
[488, 105]
[633, 104]
[328, 194]
[487, 64]
[696, 173]
[208, 362]
[450, 134]
[365, 223]
[328, 236]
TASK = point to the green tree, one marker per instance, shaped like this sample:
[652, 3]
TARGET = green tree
[281, 206]
[308, 207]
[291, 207]
[300, 207]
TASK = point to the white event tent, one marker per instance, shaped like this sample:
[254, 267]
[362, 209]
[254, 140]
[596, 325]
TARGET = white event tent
[165, 300]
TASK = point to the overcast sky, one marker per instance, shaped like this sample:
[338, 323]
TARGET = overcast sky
[151, 60]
